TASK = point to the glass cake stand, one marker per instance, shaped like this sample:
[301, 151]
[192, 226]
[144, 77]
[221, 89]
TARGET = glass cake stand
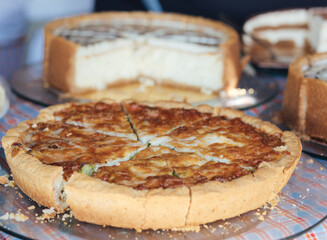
[252, 90]
[301, 207]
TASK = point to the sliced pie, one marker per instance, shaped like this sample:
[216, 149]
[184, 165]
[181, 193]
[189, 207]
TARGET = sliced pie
[216, 164]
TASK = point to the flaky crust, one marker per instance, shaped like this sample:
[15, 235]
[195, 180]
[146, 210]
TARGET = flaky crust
[43, 183]
[304, 100]
[100, 202]
[59, 53]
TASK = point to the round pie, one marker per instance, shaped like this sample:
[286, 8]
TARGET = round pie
[150, 165]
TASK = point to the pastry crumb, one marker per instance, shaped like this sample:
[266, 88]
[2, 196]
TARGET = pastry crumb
[261, 218]
[4, 179]
[274, 202]
[19, 217]
[31, 207]
[310, 161]
[65, 216]
[48, 213]
[187, 229]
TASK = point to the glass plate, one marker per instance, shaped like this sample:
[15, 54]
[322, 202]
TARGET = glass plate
[301, 206]
[253, 90]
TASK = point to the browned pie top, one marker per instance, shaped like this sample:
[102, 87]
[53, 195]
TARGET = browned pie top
[181, 147]
[168, 168]
[154, 121]
[221, 139]
[99, 116]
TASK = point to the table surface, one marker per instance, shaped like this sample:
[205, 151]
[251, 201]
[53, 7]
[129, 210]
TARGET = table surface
[21, 109]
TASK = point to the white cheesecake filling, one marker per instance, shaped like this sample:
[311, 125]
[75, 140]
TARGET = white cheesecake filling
[169, 52]
[298, 36]
[318, 29]
[318, 70]
[314, 18]
[275, 19]
[322, 40]
[164, 63]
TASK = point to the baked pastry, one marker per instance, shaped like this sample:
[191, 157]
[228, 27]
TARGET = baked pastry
[305, 96]
[282, 36]
[188, 166]
[97, 51]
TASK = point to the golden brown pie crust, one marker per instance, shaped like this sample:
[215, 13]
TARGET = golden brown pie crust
[100, 202]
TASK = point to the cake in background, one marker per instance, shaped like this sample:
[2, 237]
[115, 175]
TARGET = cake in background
[4, 97]
[281, 36]
[304, 103]
[97, 51]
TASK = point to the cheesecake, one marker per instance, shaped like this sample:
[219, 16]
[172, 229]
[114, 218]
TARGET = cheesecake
[305, 96]
[103, 50]
[281, 36]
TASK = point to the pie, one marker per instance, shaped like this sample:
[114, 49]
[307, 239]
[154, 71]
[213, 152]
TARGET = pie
[105, 50]
[304, 103]
[286, 34]
[149, 165]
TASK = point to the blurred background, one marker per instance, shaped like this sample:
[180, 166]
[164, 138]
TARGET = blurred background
[21, 21]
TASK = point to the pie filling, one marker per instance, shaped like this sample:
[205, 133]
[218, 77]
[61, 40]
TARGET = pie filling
[185, 147]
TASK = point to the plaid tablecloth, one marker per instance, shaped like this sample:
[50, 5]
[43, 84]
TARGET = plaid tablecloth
[21, 110]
